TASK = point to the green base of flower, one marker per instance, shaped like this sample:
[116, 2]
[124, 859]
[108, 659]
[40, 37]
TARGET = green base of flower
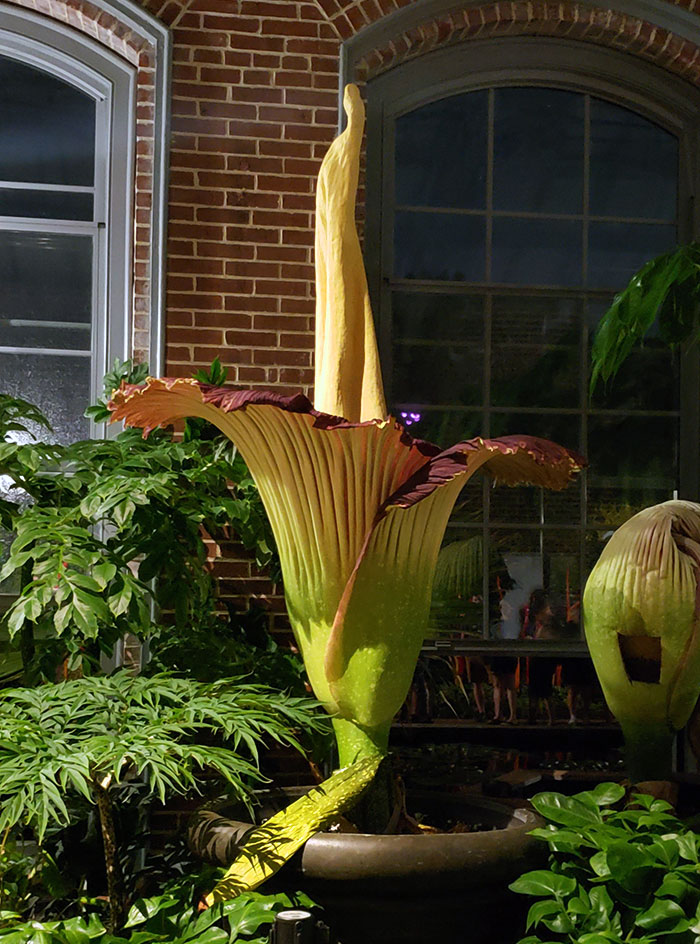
[648, 751]
[356, 742]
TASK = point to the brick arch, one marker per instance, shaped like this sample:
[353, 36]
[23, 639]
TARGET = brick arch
[568, 20]
[101, 26]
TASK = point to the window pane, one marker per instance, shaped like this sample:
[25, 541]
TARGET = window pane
[444, 427]
[438, 370]
[430, 373]
[441, 246]
[521, 505]
[617, 250]
[634, 165]
[60, 386]
[613, 505]
[46, 204]
[538, 150]
[441, 153]
[440, 317]
[536, 352]
[47, 128]
[536, 252]
[45, 277]
[16, 332]
[638, 451]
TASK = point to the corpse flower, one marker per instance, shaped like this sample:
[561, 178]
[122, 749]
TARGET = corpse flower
[358, 507]
[641, 609]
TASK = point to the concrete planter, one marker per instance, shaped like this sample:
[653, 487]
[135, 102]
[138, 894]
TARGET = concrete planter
[408, 889]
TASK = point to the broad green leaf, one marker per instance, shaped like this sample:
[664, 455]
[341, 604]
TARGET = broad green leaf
[541, 882]
[566, 811]
[662, 914]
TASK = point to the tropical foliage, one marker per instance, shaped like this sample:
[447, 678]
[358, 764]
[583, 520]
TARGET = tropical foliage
[618, 873]
[663, 296]
[105, 530]
[80, 744]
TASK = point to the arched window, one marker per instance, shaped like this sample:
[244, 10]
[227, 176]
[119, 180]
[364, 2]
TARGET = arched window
[512, 187]
[67, 121]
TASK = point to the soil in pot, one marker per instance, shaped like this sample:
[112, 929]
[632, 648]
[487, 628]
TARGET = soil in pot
[406, 889]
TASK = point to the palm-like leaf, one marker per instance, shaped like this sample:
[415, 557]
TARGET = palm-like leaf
[61, 740]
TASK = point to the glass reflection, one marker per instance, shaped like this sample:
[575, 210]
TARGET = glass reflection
[441, 153]
[47, 128]
[536, 252]
[535, 130]
[444, 246]
[634, 165]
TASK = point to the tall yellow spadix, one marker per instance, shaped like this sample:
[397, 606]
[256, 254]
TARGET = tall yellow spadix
[348, 378]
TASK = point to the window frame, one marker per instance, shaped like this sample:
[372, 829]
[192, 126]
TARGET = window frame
[532, 61]
[111, 82]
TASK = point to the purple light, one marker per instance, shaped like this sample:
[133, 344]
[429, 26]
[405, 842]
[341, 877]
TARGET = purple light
[410, 418]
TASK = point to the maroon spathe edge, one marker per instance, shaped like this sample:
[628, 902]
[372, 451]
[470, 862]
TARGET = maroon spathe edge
[230, 399]
[443, 467]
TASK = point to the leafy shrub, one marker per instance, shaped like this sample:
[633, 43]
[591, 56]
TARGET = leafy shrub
[616, 876]
[92, 738]
[164, 919]
[104, 529]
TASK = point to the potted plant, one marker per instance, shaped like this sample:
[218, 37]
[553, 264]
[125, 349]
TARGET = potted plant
[358, 508]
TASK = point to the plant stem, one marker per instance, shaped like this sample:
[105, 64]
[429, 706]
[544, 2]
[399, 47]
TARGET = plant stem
[356, 742]
[115, 878]
[374, 810]
[648, 751]
[27, 647]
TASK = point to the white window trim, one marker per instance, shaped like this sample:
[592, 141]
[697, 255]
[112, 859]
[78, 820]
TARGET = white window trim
[111, 82]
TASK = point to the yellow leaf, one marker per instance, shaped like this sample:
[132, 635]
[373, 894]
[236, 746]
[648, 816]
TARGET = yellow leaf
[269, 846]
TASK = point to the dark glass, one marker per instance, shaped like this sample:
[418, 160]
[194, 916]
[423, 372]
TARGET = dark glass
[633, 451]
[516, 505]
[443, 246]
[45, 276]
[443, 427]
[44, 335]
[438, 317]
[563, 506]
[612, 506]
[457, 603]
[47, 128]
[59, 386]
[536, 352]
[441, 153]
[536, 252]
[538, 150]
[560, 428]
[469, 508]
[436, 374]
[634, 165]
[46, 204]
[617, 250]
